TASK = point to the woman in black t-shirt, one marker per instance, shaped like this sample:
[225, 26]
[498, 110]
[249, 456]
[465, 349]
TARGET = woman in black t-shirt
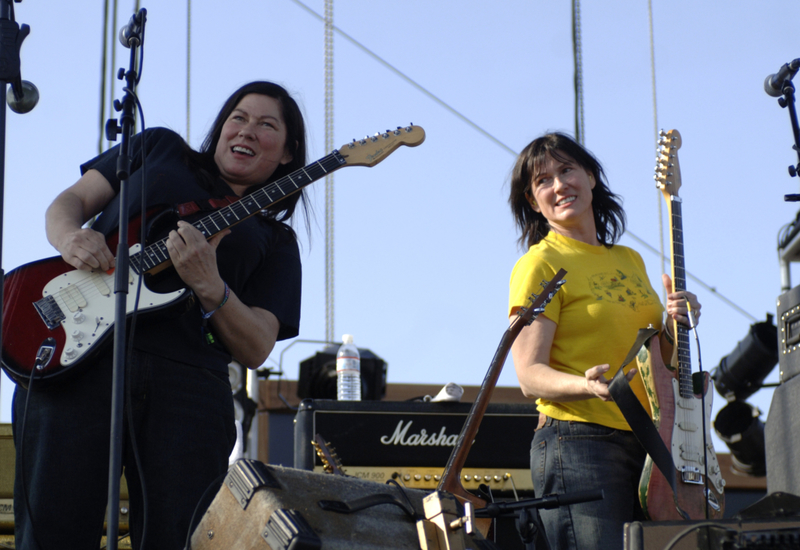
[179, 426]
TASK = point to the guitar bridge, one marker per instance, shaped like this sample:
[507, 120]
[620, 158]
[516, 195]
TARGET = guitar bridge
[49, 311]
[690, 474]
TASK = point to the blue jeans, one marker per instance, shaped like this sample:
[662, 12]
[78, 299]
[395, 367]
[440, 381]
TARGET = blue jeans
[183, 422]
[567, 457]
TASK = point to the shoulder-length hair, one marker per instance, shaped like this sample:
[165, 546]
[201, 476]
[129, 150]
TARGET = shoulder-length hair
[609, 216]
[295, 144]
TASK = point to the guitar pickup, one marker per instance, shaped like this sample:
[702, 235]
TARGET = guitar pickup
[50, 312]
[101, 285]
[685, 404]
[73, 298]
[690, 453]
[687, 426]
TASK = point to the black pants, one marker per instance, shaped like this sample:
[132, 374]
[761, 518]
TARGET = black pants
[183, 422]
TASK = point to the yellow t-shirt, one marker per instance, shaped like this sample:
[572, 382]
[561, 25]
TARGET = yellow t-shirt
[606, 299]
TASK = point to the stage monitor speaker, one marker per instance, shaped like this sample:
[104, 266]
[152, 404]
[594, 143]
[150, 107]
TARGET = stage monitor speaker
[317, 378]
[773, 534]
[260, 507]
[782, 436]
[770, 523]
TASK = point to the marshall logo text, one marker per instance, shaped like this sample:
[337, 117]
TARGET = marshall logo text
[401, 437]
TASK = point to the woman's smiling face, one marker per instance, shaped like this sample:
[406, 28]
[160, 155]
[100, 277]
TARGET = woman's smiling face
[252, 143]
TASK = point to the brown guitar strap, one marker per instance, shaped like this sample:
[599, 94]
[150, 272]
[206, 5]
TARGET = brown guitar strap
[640, 422]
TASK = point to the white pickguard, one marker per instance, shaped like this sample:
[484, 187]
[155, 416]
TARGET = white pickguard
[87, 301]
[687, 441]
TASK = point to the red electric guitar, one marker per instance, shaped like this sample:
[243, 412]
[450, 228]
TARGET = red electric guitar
[55, 317]
[676, 395]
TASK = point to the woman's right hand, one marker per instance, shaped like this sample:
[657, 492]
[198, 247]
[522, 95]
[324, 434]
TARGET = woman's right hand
[596, 383]
[80, 247]
[86, 249]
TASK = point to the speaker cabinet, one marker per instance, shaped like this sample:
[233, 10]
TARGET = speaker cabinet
[782, 435]
[789, 333]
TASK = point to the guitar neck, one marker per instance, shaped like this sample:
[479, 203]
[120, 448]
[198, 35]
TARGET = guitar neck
[155, 256]
[668, 179]
[365, 152]
[678, 259]
[451, 482]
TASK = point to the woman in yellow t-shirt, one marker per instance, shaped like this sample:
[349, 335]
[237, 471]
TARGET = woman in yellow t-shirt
[570, 219]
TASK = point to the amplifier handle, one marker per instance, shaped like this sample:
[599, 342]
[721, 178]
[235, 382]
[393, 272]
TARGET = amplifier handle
[451, 481]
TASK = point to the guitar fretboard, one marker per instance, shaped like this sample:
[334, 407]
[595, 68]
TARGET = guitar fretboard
[679, 284]
[156, 253]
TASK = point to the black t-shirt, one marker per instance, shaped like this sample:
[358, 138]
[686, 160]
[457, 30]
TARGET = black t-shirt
[259, 260]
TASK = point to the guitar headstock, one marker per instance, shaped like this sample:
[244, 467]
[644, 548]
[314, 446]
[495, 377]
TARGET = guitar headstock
[373, 149]
[327, 454]
[539, 301]
[668, 169]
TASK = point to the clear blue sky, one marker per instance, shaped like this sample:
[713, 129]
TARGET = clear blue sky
[424, 242]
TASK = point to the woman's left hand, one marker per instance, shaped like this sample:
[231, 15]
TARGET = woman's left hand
[678, 304]
[194, 258]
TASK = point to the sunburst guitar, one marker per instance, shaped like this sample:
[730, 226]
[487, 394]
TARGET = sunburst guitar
[677, 397]
[55, 317]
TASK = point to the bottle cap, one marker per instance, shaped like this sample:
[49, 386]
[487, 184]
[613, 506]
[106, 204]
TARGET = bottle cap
[347, 339]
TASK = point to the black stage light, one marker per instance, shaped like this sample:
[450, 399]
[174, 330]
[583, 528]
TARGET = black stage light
[742, 372]
[317, 378]
[739, 425]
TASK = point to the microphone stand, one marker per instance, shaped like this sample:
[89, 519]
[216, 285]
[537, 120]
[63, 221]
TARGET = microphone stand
[788, 101]
[128, 119]
[11, 37]
[548, 502]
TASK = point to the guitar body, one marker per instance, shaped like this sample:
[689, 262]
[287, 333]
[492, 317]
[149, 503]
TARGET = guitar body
[51, 299]
[680, 423]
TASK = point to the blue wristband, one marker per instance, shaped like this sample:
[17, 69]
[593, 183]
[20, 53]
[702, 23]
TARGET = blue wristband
[222, 303]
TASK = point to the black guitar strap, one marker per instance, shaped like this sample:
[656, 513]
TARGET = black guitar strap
[640, 422]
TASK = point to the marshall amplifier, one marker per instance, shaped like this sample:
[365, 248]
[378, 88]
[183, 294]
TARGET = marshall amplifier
[411, 442]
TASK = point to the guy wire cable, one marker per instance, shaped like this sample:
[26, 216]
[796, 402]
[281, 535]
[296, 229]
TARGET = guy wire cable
[113, 59]
[495, 140]
[188, 70]
[578, 61]
[329, 241]
[659, 204]
[103, 64]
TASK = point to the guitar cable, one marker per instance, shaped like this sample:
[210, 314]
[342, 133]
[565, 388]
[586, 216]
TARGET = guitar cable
[693, 328]
[22, 453]
[132, 331]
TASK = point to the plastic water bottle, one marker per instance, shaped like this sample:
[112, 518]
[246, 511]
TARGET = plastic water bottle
[348, 371]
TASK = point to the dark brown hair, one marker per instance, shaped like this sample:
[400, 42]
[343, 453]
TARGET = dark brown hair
[609, 216]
